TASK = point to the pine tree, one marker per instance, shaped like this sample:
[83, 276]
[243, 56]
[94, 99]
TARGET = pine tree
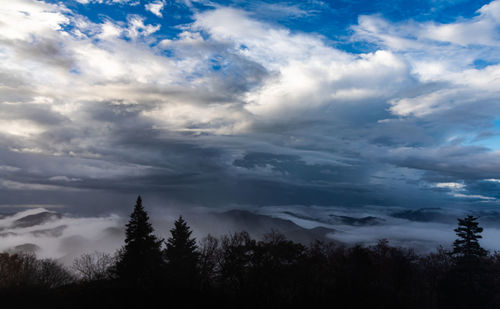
[182, 256]
[140, 261]
[468, 283]
[467, 247]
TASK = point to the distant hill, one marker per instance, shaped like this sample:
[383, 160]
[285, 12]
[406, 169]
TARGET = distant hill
[26, 248]
[257, 225]
[36, 219]
[340, 219]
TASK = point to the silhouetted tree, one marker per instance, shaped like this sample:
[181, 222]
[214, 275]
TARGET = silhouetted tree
[93, 267]
[51, 274]
[468, 284]
[235, 258]
[467, 247]
[140, 261]
[24, 270]
[181, 255]
[209, 256]
[434, 267]
[238, 271]
[273, 270]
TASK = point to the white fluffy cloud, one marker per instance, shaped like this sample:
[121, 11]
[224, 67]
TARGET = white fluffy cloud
[26, 20]
[301, 74]
[306, 74]
[156, 7]
[442, 53]
[130, 2]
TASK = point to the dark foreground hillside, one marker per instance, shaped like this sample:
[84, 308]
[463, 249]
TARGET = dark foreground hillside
[238, 271]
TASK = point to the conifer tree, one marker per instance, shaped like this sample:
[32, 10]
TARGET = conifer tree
[468, 283]
[467, 247]
[140, 261]
[181, 255]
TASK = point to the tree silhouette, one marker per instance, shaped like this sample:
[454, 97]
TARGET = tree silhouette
[181, 255]
[235, 259]
[93, 266]
[140, 261]
[467, 247]
[208, 261]
[468, 283]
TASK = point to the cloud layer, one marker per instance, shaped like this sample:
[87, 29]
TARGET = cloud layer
[232, 109]
[52, 235]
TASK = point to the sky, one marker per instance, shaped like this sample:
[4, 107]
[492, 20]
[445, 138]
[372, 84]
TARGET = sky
[224, 104]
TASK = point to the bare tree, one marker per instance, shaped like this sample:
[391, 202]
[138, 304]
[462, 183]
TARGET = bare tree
[93, 266]
[209, 256]
[24, 269]
[51, 274]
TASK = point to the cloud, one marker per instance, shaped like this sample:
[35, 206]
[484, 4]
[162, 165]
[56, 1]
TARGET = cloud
[138, 28]
[39, 20]
[232, 103]
[14, 185]
[441, 53]
[63, 178]
[302, 67]
[481, 30]
[65, 237]
[60, 236]
[423, 230]
[466, 162]
[474, 196]
[155, 7]
[450, 185]
[109, 2]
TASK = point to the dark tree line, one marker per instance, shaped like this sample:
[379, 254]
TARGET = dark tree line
[239, 271]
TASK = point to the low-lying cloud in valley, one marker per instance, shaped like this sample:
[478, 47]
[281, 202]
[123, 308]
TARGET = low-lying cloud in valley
[50, 234]
[222, 105]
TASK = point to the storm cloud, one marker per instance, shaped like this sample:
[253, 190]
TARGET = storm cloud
[230, 108]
